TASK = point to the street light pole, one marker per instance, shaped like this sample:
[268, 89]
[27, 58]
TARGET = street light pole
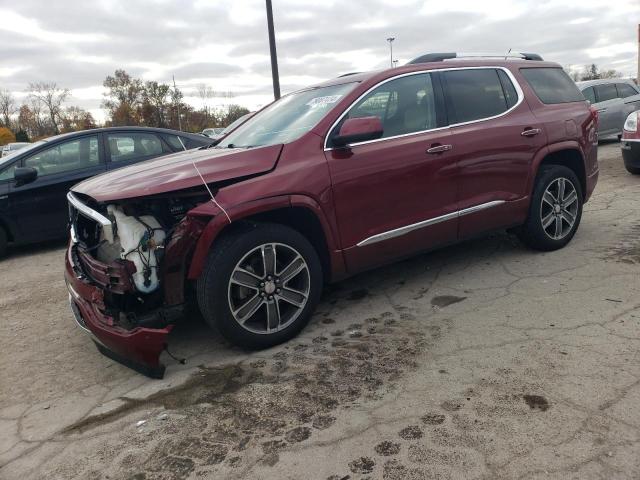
[390, 40]
[274, 55]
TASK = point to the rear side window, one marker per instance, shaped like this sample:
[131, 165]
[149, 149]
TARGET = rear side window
[589, 94]
[476, 94]
[552, 85]
[606, 91]
[134, 146]
[625, 90]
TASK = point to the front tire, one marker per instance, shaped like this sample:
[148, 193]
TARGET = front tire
[632, 170]
[261, 285]
[555, 210]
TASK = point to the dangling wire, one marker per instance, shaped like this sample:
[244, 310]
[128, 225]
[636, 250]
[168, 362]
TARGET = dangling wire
[213, 199]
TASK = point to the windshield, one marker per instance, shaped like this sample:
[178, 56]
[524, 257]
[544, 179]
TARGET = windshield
[288, 118]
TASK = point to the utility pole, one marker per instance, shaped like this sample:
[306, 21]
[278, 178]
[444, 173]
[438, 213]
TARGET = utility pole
[390, 40]
[272, 49]
[175, 94]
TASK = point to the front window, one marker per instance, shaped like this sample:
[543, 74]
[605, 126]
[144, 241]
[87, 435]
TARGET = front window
[64, 157]
[288, 118]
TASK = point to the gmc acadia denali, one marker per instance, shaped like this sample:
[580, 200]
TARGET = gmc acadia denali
[326, 182]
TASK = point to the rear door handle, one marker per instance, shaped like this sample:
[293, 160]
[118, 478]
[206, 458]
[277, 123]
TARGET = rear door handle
[602, 110]
[530, 132]
[439, 148]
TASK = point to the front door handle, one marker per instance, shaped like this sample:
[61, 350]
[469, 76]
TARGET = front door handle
[530, 132]
[602, 110]
[439, 148]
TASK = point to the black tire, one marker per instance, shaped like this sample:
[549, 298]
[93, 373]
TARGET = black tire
[214, 284]
[632, 170]
[3, 242]
[532, 233]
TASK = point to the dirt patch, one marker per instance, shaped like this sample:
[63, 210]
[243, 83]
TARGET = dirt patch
[362, 465]
[387, 448]
[536, 402]
[442, 301]
[411, 432]
[433, 419]
[358, 294]
[627, 250]
[269, 404]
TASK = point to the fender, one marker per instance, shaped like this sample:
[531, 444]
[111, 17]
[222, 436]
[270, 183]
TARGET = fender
[244, 210]
[547, 150]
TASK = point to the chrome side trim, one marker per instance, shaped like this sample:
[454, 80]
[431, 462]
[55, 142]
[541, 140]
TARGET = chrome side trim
[515, 83]
[397, 232]
[107, 226]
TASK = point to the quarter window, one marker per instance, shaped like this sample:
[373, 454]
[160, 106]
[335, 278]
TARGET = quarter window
[625, 90]
[66, 156]
[589, 94]
[606, 91]
[134, 146]
[476, 94]
[404, 105]
[552, 85]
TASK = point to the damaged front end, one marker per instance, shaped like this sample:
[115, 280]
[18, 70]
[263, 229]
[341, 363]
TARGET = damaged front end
[126, 271]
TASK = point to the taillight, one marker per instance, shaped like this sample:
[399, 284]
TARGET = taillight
[631, 123]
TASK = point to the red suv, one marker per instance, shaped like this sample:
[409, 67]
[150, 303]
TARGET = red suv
[326, 182]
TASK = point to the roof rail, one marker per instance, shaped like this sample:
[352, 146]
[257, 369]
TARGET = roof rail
[439, 57]
[347, 74]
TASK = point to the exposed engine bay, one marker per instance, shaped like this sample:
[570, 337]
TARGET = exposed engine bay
[140, 265]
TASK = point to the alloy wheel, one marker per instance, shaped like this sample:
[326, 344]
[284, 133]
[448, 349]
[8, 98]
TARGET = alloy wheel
[269, 288]
[559, 209]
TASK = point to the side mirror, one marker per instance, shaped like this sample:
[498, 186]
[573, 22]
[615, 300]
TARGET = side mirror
[361, 129]
[24, 175]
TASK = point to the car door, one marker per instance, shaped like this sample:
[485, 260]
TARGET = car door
[397, 194]
[495, 136]
[39, 209]
[124, 147]
[609, 108]
[630, 98]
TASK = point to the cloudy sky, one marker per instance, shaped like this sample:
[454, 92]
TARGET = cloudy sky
[223, 43]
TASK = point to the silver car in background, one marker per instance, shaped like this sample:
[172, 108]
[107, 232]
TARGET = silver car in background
[615, 99]
[9, 148]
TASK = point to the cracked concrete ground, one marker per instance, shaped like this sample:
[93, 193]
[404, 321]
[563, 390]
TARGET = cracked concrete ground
[483, 360]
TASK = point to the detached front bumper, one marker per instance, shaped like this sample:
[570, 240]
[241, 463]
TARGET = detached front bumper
[139, 348]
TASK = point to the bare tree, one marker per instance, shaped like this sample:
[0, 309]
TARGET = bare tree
[7, 106]
[52, 97]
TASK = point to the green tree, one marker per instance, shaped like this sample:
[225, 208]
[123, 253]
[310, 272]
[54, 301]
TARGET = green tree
[123, 99]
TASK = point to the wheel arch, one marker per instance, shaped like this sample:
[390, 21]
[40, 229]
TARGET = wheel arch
[299, 212]
[567, 154]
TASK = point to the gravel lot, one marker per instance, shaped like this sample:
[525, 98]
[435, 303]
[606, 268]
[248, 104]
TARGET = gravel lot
[483, 360]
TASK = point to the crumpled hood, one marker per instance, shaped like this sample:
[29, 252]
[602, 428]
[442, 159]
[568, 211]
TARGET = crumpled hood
[176, 172]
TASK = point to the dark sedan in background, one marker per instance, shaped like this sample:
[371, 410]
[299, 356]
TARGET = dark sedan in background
[34, 180]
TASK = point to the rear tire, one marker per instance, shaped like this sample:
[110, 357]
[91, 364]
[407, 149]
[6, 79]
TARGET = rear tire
[555, 210]
[3, 242]
[260, 285]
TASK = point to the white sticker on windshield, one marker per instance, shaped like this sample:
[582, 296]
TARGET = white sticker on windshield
[321, 101]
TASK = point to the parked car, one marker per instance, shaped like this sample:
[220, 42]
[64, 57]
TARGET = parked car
[630, 144]
[9, 148]
[34, 180]
[615, 99]
[212, 132]
[326, 182]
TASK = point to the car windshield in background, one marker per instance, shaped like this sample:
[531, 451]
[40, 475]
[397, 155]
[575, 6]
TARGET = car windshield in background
[288, 118]
[552, 85]
[10, 156]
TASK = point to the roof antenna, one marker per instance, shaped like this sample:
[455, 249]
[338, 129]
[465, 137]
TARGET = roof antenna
[505, 57]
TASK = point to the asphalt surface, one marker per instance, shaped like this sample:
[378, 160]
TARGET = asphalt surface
[482, 360]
